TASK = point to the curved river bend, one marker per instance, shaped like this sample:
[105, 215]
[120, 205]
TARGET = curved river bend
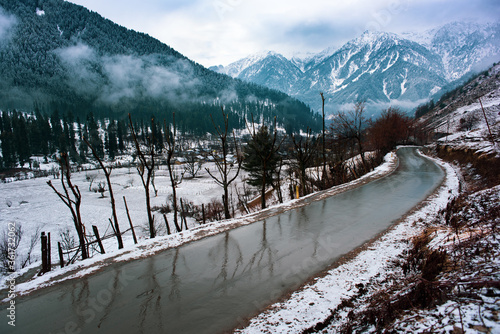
[210, 285]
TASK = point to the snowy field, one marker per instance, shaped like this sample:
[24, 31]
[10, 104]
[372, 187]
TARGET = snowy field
[34, 207]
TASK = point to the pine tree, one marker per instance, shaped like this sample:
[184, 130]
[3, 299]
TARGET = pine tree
[21, 140]
[93, 135]
[7, 138]
[120, 132]
[43, 124]
[57, 131]
[261, 160]
[111, 144]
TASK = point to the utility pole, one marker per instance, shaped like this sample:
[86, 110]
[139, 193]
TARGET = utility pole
[324, 143]
[487, 124]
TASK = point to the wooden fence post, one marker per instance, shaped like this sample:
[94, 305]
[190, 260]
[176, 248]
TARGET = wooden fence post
[61, 258]
[183, 215]
[44, 253]
[49, 258]
[166, 223]
[96, 232]
[203, 213]
[130, 221]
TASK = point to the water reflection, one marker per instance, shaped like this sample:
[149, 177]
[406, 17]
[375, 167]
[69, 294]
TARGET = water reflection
[225, 250]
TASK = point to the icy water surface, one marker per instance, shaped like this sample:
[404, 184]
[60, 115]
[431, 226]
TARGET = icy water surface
[211, 285]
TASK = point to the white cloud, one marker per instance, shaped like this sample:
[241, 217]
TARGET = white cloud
[76, 53]
[125, 76]
[7, 24]
[214, 32]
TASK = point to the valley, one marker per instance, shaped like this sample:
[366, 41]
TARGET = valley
[353, 189]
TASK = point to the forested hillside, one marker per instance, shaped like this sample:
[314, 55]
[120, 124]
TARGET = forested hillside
[55, 55]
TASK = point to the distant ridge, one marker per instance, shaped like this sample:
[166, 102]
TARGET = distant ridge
[380, 68]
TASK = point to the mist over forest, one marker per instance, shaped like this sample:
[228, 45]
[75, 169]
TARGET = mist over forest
[57, 55]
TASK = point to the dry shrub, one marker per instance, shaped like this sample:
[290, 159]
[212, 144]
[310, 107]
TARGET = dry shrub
[420, 259]
[163, 209]
[485, 165]
[419, 288]
[214, 210]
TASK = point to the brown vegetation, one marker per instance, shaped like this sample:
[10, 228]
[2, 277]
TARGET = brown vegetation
[392, 128]
[487, 166]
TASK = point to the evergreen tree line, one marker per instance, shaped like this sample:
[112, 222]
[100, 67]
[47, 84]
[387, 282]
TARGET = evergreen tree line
[39, 133]
[23, 136]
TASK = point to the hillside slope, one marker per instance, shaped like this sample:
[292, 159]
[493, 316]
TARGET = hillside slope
[58, 55]
[458, 118]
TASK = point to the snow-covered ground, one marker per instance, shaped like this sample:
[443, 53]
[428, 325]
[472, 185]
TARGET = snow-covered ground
[476, 137]
[34, 207]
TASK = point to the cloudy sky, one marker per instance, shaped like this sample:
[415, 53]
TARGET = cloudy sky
[213, 32]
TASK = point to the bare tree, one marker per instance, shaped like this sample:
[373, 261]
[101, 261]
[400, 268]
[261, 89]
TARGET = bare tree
[73, 200]
[90, 178]
[107, 173]
[225, 167]
[9, 242]
[26, 260]
[324, 176]
[192, 166]
[353, 124]
[276, 184]
[67, 240]
[339, 144]
[170, 134]
[145, 169]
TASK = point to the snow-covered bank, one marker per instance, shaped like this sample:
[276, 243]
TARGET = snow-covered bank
[313, 303]
[148, 247]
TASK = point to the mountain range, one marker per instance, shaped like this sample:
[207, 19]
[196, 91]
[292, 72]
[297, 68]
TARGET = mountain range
[55, 55]
[377, 67]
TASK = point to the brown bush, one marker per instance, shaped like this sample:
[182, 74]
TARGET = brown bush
[485, 165]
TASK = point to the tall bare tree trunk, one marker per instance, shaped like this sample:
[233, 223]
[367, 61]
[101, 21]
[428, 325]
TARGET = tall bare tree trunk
[324, 177]
[73, 201]
[223, 167]
[171, 146]
[145, 169]
[107, 173]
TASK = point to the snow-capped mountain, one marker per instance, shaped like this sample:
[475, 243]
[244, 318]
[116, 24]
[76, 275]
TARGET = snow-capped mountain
[234, 70]
[269, 69]
[377, 67]
[462, 46]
